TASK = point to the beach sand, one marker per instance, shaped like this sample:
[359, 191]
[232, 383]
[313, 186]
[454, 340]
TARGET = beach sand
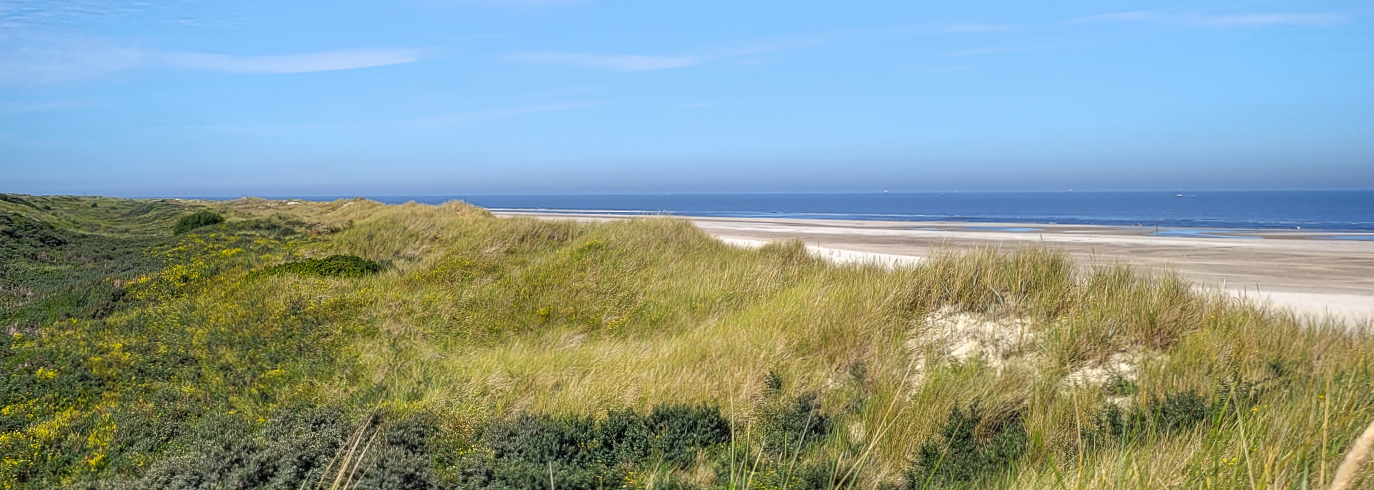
[1292, 269]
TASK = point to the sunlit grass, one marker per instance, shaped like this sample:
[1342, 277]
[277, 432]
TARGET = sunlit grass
[473, 320]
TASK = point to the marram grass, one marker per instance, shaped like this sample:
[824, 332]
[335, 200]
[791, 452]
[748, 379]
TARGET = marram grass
[518, 353]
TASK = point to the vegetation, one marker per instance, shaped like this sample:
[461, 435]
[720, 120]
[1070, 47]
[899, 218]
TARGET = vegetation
[274, 351]
[194, 220]
[331, 266]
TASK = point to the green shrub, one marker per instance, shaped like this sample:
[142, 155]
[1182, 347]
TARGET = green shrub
[331, 266]
[788, 426]
[624, 437]
[821, 475]
[532, 451]
[1175, 411]
[29, 232]
[533, 439]
[196, 220]
[680, 430]
[973, 444]
[296, 449]
[291, 450]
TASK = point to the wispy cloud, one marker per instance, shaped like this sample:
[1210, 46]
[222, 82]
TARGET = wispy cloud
[462, 117]
[1129, 16]
[1312, 19]
[1009, 49]
[614, 62]
[1306, 19]
[48, 59]
[636, 62]
[299, 63]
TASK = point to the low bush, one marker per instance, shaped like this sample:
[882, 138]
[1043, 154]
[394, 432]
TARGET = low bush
[196, 220]
[973, 444]
[534, 451]
[30, 232]
[789, 426]
[680, 430]
[821, 475]
[1172, 412]
[298, 449]
[331, 266]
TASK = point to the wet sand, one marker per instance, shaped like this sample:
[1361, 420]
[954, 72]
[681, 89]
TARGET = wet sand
[1304, 271]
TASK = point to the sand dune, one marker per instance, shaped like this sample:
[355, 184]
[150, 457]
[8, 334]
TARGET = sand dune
[1297, 270]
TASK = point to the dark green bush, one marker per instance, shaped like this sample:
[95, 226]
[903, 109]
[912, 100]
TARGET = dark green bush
[331, 266]
[533, 439]
[29, 232]
[403, 461]
[822, 475]
[624, 437]
[291, 450]
[295, 450]
[680, 430]
[196, 220]
[1179, 410]
[1175, 411]
[788, 426]
[973, 444]
[532, 451]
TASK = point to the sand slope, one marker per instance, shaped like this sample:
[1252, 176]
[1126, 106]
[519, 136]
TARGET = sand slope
[1301, 271]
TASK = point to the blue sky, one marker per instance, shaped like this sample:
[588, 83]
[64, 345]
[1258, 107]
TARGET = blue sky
[205, 98]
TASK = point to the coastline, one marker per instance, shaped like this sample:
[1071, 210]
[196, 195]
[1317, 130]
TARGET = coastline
[1293, 269]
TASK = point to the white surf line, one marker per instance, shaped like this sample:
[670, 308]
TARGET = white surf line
[838, 256]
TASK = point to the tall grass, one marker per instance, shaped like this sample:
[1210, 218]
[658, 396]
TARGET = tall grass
[1115, 377]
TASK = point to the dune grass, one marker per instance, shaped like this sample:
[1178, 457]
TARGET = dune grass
[517, 353]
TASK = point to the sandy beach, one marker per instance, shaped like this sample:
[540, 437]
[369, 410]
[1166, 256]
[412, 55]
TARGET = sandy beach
[1305, 271]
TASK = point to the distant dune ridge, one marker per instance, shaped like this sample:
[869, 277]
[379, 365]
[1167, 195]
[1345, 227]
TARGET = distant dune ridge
[351, 344]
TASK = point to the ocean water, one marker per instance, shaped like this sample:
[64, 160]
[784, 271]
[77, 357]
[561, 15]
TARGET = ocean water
[1350, 211]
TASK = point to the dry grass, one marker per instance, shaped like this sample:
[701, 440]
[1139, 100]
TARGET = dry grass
[478, 318]
[484, 317]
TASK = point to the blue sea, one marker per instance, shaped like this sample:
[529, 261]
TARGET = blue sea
[1194, 212]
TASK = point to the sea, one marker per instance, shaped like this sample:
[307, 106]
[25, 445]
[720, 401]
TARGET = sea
[1317, 211]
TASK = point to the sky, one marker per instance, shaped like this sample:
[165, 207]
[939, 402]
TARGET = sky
[449, 97]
